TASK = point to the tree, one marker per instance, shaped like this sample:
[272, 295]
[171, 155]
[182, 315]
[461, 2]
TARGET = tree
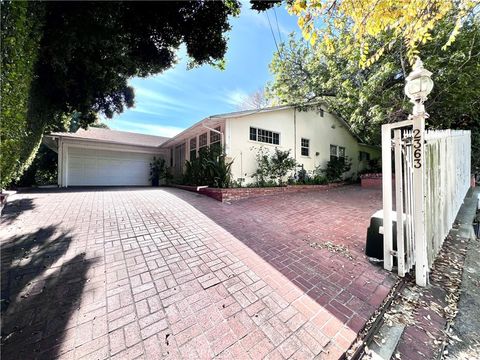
[20, 38]
[61, 57]
[410, 22]
[99, 124]
[367, 98]
[255, 101]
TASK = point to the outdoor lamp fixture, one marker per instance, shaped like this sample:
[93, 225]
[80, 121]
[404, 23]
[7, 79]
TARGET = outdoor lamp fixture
[418, 87]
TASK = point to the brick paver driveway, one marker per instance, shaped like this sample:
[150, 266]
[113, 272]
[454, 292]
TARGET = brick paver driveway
[163, 273]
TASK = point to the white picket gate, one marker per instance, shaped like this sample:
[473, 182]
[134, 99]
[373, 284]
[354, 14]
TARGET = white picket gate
[432, 177]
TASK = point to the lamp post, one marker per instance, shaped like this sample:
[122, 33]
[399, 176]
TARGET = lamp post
[418, 86]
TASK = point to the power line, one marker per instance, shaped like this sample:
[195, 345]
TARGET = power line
[273, 34]
[278, 28]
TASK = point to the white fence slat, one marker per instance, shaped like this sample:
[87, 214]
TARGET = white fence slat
[387, 197]
[399, 201]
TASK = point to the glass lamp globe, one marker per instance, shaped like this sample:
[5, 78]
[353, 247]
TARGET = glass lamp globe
[419, 83]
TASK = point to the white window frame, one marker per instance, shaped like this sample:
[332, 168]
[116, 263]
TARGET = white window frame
[257, 136]
[215, 134]
[200, 146]
[195, 141]
[337, 151]
[302, 147]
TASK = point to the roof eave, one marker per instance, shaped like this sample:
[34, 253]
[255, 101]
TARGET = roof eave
[53, 135]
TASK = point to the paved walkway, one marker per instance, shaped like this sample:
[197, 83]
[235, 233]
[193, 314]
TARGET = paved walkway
[153, 273]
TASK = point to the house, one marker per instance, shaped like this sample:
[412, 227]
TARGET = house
[108, 157]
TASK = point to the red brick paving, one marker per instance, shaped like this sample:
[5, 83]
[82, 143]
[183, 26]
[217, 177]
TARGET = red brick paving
[154, 273]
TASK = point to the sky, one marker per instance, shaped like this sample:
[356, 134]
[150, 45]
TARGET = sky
[167, 103]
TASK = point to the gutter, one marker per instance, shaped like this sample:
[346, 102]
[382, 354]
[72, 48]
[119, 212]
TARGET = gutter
[155, 147]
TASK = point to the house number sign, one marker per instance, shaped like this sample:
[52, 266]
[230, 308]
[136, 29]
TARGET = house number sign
[417, 149]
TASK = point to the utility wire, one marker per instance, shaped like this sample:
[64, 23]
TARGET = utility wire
[273, 34]
[278, 28]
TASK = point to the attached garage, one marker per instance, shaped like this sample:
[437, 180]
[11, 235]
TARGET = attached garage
[102, 157]
[89, 167]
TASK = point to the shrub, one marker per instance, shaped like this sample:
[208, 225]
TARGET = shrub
[272, 168]
[336, 167]
[280, 164]
[262, 173]
[158, 170]
[209, 168]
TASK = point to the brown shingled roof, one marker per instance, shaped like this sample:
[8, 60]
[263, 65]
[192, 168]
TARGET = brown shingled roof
[114, 136]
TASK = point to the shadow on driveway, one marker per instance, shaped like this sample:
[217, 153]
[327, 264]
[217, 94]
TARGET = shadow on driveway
[40, 292]
[283, 230]
[14, 208]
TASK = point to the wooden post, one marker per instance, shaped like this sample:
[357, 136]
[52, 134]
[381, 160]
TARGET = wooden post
[421, 257]
[387, 197]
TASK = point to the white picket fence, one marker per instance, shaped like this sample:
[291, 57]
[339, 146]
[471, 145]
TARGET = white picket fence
[447, 180]
[431, 182]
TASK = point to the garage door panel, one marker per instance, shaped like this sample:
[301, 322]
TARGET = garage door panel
[90, 167]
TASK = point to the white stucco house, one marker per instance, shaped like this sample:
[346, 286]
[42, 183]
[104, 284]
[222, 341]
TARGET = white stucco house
[102, 157]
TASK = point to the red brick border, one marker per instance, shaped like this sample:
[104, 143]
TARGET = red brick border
[233, 194]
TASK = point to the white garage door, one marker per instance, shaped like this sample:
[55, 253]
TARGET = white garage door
[91, 167]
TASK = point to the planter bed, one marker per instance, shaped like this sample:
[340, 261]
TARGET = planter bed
[374, 181]
[233, 194]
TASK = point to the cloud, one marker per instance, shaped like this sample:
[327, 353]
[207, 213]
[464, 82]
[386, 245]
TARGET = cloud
[261, 20]
[235, 97]
[157, 103]
[145, 128]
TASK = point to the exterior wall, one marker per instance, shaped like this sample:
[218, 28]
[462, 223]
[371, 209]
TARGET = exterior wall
[66, 144]
[242, 150]
[293, 125]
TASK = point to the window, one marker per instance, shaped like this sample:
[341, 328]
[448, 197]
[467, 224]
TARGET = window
[214, 136]
[193, 148]
[305, 147]
[202, 140]
[253, 134]
[264, 136]
[337, 151]
[364, 156]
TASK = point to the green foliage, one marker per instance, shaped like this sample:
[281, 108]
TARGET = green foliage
[20, 37]
[42, 171]
[303, 178]
[368, 98]
[280, 164]
[64, 57]
[209, 168]
[262, 173]
[272, 168]
[158, 171]
[336, 167]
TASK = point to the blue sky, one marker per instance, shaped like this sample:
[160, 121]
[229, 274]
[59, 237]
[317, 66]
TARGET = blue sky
[172, 101]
